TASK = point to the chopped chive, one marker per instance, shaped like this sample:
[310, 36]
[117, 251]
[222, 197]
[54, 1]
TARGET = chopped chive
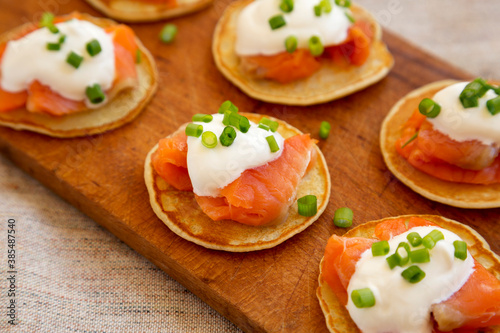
[273, 145]
[413, 274]
[286, 6]
[273, 125]
[380, 248]
[95, 94]
[231, 118]
[205, 118]
[363, 298]
[194, 130]
[244, 124]
[62, 39]
[460, 249]
[93, 47]
[343, 3]
[291, 44]
[414, 238]
[430, 240]
[326, 6]
[343, 217]
[350, 17]
[53, 29]
[420, 256]
[317, 10]
[47, 19]
[308, 205]
[264, 127]
[277, 21]
[228, 136]
[227, 105]
[324, 130]
[138, 56]
[393, 260]
[493, 105]
[168, 33]
[429, 108]
[468, 98]
[413, 137]
[209, 139]
[315, 46]
[403, 257]
[480, 86]
[74, 59]
[53, 46]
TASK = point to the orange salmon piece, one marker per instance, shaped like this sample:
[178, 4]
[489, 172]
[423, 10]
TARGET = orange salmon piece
[170, 161]
[42, 99]
[262, 195]
[390, 228]
[355, 50]
[10, 101]
[283, 67]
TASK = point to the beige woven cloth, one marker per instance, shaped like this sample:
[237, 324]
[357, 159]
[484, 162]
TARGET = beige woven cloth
[74, 276]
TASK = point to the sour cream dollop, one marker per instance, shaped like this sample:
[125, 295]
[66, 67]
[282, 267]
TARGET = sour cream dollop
[210, 169]
[28, 59]
[255, 36]
[462, 124]
[401, 306]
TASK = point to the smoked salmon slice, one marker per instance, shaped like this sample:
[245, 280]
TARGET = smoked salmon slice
[40, 98]
[259, 196]
[476, 305]
[442, 157]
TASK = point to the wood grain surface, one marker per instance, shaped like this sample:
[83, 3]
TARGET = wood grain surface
[265, 291]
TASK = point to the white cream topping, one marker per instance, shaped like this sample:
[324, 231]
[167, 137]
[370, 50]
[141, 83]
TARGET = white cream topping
[255, 36]
[401, 306]
[211, 169]
[462, 124]
[28, 59]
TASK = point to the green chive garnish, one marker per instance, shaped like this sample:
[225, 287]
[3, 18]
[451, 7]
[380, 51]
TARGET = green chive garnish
[343, 3]
[493, 105]
[420, 256]
[93, 47]
[228, 136]
[53, 46]
[95, 94]
[413, 137]
[168, 33]
[74, 59]
[393, 260]
[317, 10]
[244, 124]
[291, 44]
[380, 248]
[324, 130]
[308, 205]
[194, 130]
[264, 127]
[460, 249]
[286, 6]
[231, 118]
[273, 125]
[413, 274]
[363, 298]
[350, 17]
[472, 92]
[47, 19]
[403, 257]
[138, 56]
[277, 21]
[429, 108]
[201, 117]
[62, 39]
[414, 238]
[326, 6]
[273, 145]
[315, 46]
[209, 139]
[343, 217]
[53, 29]
[227, 106]
[430, 240]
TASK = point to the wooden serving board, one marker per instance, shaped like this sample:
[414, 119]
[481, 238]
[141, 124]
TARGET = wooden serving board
[265, 291]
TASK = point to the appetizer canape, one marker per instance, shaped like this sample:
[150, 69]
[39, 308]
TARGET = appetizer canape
[414, 273]
[443, 140]
[299, 52]
[73, 75]
[147, 10]
[228, 181]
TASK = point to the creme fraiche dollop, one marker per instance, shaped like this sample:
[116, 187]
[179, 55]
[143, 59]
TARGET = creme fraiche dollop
[211, 169]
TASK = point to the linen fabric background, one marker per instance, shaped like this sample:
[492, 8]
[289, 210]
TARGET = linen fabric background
[75, 276]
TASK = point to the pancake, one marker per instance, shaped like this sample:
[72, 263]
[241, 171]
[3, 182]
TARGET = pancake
[336, 315]
[327, 84]
[123, 108]
[181, 213]
[453, 194]
[139, 11]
